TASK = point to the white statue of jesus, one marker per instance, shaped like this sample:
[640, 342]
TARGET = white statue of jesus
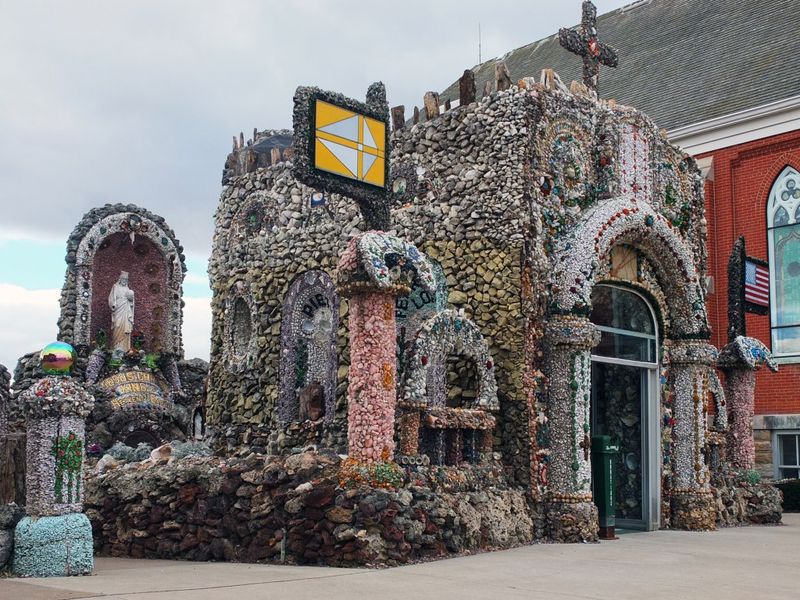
[121, 302]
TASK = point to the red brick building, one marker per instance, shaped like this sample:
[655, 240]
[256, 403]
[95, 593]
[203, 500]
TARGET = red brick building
[741, 178]
[723, 78]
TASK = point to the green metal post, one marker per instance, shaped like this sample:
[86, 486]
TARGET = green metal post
[604, 452]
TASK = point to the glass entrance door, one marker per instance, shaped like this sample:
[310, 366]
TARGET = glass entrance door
[625, 400]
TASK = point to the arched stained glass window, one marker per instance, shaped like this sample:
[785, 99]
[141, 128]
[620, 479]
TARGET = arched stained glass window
[783, 226]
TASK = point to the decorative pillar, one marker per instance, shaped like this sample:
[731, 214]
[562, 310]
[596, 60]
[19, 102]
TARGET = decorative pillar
[373, 270]
[739, 360]
[571, 514]
[408, 427]
[691, 500]
[5, 395]
[55, 538]
[371, 392]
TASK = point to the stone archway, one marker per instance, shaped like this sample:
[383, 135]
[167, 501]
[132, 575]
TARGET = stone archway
[162, 262]
[458, 434]
[570, 336]
[440, 335]
[622, 221]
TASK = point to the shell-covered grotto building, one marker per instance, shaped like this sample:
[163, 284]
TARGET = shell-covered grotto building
[148, 393]
[562, 241]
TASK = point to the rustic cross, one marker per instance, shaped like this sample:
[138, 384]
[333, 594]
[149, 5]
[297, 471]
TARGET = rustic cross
[587, 45]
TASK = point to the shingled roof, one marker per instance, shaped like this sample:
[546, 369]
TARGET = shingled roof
[680, 61]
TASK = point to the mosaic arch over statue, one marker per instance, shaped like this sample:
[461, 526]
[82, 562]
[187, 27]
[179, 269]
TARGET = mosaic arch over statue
[308, 349]
[625, 221]
[107, 241]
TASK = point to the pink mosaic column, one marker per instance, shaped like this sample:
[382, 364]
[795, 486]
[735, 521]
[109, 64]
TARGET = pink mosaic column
[372, 391]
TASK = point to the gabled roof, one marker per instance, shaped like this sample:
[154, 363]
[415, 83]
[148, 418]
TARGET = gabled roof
[680, 61]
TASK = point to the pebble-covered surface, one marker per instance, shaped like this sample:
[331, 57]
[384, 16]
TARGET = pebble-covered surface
[373, 371]
[55, 410]
[522, 198]
[5, 398]
[294, 509]
[739, 502]
[54, 546]
[10, 515]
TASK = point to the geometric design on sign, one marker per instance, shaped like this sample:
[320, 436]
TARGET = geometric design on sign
[349, 144]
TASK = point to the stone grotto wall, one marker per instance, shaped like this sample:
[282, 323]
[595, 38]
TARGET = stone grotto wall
[466, 214]
[524, 200]
[301, 509]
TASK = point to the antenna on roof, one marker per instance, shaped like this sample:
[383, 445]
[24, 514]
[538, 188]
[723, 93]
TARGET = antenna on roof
[479, 42]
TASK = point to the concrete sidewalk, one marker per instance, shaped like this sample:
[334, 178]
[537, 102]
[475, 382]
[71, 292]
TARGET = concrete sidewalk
[748, 562]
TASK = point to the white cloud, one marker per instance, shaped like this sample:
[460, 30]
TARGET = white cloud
[28, 321]
[29, 318]
[197, 328]
[196, 278]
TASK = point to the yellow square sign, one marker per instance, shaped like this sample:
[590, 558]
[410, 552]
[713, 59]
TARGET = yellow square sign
[349, 144]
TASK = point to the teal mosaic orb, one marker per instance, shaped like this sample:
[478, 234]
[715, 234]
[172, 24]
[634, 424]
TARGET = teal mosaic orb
[57, 358]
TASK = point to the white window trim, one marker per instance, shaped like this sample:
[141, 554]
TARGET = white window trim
[776, 451]
[793, 357]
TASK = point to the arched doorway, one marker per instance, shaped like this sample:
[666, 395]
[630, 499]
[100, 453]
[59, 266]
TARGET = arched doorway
[625, 399]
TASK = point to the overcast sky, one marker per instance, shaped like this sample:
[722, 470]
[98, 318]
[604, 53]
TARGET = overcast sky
[137, 101]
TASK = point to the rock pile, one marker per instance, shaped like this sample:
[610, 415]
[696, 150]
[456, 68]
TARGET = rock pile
[10, 515]
[294, 509]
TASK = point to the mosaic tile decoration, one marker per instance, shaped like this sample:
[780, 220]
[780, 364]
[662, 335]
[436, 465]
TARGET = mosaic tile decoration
[309, 325]
[137, 390]
[380, 261]
[412, 310]
[132, 223]
[349, 144]
[442, 334]
[341, 146]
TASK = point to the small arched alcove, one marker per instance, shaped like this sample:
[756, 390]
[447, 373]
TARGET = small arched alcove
[309, 325]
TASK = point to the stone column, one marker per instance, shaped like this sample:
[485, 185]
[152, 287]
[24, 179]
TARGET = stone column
[740, 386]
[371, 394]
[571, 514]
[5, 395]
[691, 501]
[408, 431]
[739, 360]
[55, 538]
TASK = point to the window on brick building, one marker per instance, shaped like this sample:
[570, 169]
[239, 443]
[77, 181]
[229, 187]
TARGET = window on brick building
[787, 455]
[783, 226]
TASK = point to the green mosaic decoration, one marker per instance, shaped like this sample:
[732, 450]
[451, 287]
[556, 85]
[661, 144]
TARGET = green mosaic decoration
[68, 452]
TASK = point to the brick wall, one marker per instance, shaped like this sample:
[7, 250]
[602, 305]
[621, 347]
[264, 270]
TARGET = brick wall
[736, 205]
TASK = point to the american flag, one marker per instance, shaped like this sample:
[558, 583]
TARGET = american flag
[756, 283]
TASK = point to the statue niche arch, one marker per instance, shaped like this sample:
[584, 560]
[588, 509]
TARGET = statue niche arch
[309, 327]
[119, 238]
[449, 434]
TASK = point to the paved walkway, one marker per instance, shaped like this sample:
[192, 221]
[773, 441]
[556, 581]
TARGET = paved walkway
[747, 562]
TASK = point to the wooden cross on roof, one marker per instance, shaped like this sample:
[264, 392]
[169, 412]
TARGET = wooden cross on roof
[587, 45]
